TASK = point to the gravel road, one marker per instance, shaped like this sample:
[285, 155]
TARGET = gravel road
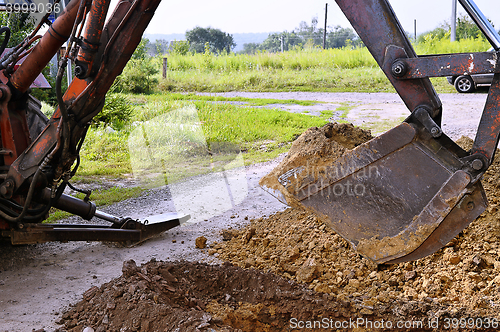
[37, 282]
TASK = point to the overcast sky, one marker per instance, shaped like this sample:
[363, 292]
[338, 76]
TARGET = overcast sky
[235, 16]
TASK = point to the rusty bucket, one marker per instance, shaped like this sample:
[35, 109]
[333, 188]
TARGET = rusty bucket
[398, 197]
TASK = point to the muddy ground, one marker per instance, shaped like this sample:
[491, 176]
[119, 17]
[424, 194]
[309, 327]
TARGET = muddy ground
[39, 282]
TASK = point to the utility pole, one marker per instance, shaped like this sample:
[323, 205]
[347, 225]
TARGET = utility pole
[282, 46]
[324, 31]
[453, 36]
[415, 29]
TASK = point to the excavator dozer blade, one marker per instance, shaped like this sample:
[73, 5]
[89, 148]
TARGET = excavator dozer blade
[398, 197]
[132, 231]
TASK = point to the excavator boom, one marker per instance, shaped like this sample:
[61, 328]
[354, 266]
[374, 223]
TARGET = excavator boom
[34, 171]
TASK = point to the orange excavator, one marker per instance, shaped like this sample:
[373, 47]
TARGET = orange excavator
[39, 156]
[417, 189]
[425, 189]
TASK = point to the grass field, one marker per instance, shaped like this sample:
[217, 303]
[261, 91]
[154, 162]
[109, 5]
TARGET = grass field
[190, 135]
[333, 70]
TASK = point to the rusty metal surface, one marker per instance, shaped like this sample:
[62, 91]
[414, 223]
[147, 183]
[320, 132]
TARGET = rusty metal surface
[122, 35]
[390, 195]
[114, 45]
[133, 231]
[39, 233]
[488, 132]
[46, 48]
[306, 181]
[30, 157]
[379, 29]
[19, 124]
[409, 200]
[466, 211]
[91, 38]
[449, 65]
[7, 135]
[417, 228]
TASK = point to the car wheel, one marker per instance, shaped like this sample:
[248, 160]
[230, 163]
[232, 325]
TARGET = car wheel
[464, 84]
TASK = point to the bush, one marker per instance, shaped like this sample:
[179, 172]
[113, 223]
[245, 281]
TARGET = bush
[137, 77]
[179, 47]
[116, 112]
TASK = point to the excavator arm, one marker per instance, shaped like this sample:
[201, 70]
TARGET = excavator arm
[420, 189]
[36, 170]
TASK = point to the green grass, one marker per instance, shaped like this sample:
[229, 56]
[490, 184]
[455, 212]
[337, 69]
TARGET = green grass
[345, 108]
[362, 79]
[333, 70]
[230, 123]
[326, 114]
[247, 101]
[296, 60]
[172, 139]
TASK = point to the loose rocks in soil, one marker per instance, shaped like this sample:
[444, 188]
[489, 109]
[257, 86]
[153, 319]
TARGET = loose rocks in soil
[465, 274]
[290, 267]
[182, 296]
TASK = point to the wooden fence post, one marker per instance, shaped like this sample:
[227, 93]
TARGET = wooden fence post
[165, 65]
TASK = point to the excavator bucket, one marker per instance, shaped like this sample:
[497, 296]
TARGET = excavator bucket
[405, 194]
[398, 197]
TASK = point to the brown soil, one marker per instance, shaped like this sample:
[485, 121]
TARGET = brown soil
[314, 148]
[184, 296]
[295, 244]
[291, 266]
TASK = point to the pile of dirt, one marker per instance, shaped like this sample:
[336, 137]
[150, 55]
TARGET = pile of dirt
[182, 296]
[296, 245]
[315, 147]
[290, 269]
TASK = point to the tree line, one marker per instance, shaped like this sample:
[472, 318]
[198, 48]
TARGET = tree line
[200, 40]
[465, 29]
[305, 36]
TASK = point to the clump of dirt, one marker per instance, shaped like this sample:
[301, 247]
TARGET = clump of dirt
[182, 296]
[201, 242]
[298, 246]
[314, 148]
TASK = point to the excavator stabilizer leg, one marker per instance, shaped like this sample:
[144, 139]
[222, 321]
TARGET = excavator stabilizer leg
[129, 230]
